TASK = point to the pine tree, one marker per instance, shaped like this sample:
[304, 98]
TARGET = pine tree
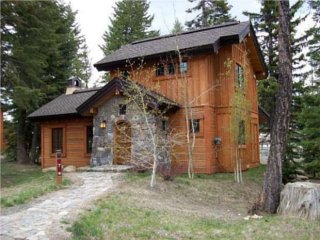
[212, 12]
[130, 22]
[40, 42]
[309, 117]
[177, 27]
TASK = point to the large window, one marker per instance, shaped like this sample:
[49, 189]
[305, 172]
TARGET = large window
[89, 138]
[239, 76]
[57, 139]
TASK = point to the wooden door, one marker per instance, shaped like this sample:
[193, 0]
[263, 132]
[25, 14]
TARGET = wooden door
[122, 150]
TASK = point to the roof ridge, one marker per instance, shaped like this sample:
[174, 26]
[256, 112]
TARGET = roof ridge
[186, 32]
[87, 90]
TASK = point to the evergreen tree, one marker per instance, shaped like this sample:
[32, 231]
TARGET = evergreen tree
[177, 27]
[212, 12]
[130, 22]
[39, 39]
[309, 117]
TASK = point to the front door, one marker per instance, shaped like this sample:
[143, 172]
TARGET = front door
[122, 150]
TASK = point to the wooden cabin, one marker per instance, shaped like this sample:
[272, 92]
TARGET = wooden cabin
[211, 71]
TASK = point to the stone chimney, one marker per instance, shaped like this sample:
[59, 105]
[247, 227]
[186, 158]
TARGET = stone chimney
[74, 83]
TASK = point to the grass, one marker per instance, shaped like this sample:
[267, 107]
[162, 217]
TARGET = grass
[206, 207]
[21, 183]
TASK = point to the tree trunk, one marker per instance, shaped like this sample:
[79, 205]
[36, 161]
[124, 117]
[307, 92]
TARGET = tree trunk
[34, 144]
[273, 178]
[301, 199]
[22, 155]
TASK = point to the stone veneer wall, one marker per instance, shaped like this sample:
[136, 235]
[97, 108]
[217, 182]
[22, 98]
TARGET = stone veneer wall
[103, 139]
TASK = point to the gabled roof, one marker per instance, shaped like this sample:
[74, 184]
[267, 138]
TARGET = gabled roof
[76, 104]
[128, 87]
[211, 37]
[64, 105]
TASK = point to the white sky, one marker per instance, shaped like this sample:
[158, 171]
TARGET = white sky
[93, 19]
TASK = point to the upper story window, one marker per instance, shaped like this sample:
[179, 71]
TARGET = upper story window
[56, 140]
[184, 67]
[122, 109]
[125, 74]
[194, 125]
[160, 70]
[239, 76]
[171, 69]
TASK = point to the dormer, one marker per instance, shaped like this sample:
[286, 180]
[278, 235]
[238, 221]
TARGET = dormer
[74, 83]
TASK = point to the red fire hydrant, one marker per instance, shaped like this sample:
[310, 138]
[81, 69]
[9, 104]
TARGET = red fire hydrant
[59, 168]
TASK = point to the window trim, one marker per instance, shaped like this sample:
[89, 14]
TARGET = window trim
[200, 133]
[64, 145]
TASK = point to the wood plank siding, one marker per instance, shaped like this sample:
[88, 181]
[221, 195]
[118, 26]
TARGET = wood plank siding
[74, 142]
[210, 82]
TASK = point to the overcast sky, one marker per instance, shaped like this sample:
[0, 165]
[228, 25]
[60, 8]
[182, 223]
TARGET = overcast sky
[93, 19]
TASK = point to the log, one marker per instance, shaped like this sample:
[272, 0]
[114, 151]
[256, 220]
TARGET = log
[300, 199]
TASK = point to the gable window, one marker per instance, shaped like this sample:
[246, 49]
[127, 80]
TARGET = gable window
[242, 133]
[160, 70]
[239, 77]
[184, 67]
[57, 139]
[171, 69]
[122, 109]
[194, 124]
[89, 138]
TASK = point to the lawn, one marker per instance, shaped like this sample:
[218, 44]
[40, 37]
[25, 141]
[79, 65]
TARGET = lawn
[207, 207]
[21, 183]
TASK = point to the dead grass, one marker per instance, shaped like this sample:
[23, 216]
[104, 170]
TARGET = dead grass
[207, 207]
[21, 183]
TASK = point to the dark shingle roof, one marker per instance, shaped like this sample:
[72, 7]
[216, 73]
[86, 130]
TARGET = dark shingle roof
[186, 40]
[63, 105]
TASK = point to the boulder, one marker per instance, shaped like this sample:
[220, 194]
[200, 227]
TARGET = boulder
[300, 199]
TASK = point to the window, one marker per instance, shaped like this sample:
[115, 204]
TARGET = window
[164, 125]
[171, 69]
[89, 138]
[160, 70]
[184, 67]
[57, 139]
[196, 125]
[242, 135]
[122, 109]
[239, 76]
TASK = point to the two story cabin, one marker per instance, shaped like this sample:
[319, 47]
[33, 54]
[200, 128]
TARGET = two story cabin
[202, 81]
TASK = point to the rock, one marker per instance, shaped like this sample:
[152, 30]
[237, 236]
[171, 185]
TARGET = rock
[300, 199]
[301, 178]
[49, 169]
[69, 168]
[301, 172]
[83, 169]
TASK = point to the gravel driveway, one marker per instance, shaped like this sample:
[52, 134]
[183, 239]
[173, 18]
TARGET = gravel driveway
[43, 218]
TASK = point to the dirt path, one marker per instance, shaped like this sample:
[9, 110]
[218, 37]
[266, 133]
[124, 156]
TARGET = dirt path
[44, 218]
